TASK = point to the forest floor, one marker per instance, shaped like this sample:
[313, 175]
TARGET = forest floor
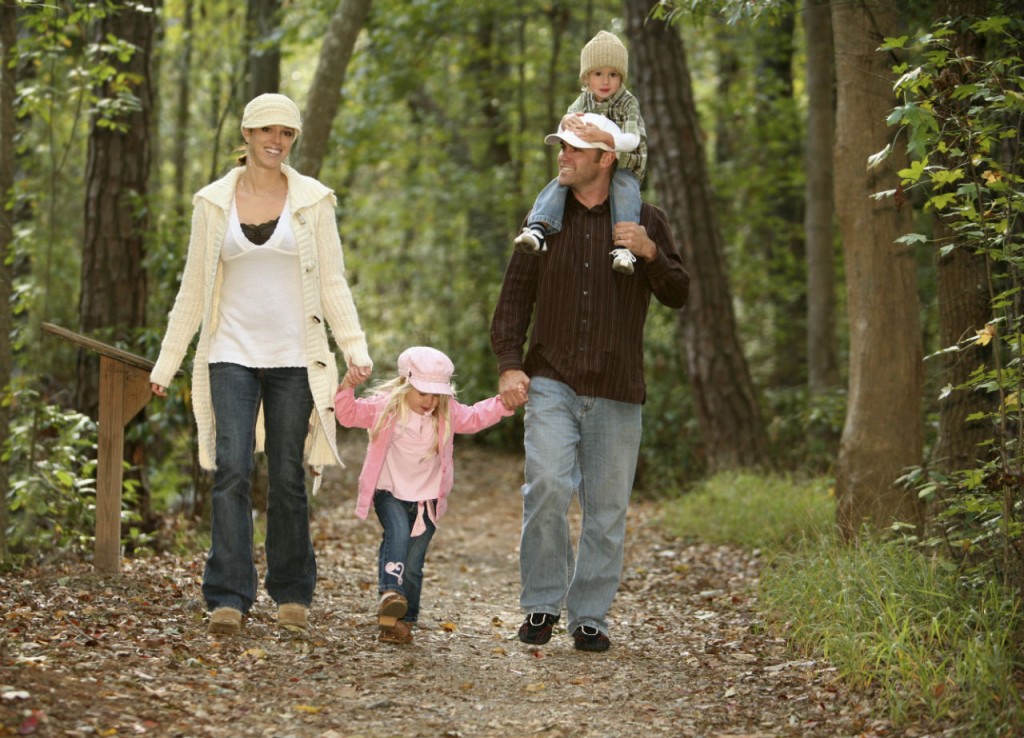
[84, 655]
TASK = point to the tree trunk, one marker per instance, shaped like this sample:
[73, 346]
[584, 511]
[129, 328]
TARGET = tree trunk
[112, 302]
[727, 409]
[113, 289]
[962, 294]
[263, 18]
[554, 97]
[8, 37]
[778, 234]
[962, 283]
[324, 97]
[182, 114]
[819, 227]
[489, 71]
[883, 433]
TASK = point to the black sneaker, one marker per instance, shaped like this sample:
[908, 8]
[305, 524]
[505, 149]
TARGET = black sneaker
[536, 629]
[588, 638]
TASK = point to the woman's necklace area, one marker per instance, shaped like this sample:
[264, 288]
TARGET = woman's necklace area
[245, 186]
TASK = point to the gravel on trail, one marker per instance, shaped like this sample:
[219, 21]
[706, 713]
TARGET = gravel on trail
[83, 655]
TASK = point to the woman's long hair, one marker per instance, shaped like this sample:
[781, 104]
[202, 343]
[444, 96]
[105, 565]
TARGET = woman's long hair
[396, 410]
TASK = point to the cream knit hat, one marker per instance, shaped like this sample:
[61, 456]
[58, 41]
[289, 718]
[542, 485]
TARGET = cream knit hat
[271, 109]
[604, 50]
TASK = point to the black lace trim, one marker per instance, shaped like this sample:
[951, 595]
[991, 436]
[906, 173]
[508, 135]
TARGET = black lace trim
[260, 234]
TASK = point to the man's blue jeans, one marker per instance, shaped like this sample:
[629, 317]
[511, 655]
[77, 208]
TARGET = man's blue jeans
[587, 445]
[549, 207]
[401, 556]
[230, 576]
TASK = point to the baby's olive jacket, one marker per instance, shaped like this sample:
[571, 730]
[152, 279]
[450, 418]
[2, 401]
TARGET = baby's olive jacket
[326, 301]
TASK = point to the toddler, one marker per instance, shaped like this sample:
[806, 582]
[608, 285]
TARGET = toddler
[604, 64]
[409, 470]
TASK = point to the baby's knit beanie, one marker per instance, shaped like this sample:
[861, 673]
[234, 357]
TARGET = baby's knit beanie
[604, 50]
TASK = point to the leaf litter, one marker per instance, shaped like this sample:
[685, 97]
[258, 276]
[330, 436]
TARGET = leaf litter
[85, 655]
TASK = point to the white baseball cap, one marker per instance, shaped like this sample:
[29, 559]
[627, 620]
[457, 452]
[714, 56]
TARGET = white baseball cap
[605, 124]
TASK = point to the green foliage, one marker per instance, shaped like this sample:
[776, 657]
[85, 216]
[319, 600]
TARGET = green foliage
[734, 11]
[885, 615]
[804, 428]
[747, 80]
[898, 621]
[436, 155]
[740, 508]
[961, 118]
[670, 446]
[51, 461]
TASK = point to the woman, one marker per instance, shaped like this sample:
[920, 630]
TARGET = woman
[263, 278]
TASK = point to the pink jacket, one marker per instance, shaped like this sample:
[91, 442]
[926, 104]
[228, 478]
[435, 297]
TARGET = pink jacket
[363, 413]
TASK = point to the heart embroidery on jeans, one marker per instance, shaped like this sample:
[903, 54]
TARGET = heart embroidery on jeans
[395, 568]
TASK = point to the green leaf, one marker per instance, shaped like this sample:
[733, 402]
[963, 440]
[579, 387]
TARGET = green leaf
[894, 42]
[946, 176]
[914, 171]
[941, 202]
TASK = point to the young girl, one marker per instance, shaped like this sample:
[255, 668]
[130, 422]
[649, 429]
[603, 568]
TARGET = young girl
[408, 471]
[604, 64]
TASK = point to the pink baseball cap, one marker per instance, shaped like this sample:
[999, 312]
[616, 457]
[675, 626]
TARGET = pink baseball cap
[427, 369]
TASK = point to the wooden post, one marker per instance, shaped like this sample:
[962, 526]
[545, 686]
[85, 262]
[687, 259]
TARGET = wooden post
[124, 391]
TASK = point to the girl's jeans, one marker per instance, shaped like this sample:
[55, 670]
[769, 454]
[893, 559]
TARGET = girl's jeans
[586, 445]
[549, 207]
[401, 557]
[230, 576]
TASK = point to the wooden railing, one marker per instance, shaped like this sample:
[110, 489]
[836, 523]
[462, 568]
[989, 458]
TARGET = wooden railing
[124, 391]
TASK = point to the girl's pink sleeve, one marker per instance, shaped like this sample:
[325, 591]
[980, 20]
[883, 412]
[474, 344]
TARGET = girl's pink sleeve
[477, 417]
[352, 412]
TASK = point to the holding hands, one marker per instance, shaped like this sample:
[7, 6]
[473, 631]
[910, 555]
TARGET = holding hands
[514, 388]
[355, 376]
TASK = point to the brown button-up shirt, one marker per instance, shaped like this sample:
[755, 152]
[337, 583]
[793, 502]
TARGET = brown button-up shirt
[588, 320]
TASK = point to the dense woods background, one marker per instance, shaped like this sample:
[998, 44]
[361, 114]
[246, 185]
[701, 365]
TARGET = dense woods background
[843, 180]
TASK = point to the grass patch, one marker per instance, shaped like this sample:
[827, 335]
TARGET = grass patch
[889, 618]
[886, 616]
[744, 509]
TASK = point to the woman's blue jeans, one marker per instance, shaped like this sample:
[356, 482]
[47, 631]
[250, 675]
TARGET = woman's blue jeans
[230, 577]
[586, 445]
[401, 556]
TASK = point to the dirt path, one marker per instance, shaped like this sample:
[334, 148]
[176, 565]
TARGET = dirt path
[83, 656]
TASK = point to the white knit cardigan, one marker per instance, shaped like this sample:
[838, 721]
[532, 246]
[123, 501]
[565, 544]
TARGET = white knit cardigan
[325, 294]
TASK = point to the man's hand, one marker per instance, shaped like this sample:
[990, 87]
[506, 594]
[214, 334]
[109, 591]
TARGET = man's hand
[514, 388]
[633, 236]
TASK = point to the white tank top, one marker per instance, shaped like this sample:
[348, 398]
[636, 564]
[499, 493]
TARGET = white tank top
[259, 318]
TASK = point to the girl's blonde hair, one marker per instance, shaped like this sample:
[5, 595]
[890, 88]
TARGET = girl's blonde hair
[396, 410]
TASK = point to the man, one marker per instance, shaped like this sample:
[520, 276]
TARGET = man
[583, 374]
